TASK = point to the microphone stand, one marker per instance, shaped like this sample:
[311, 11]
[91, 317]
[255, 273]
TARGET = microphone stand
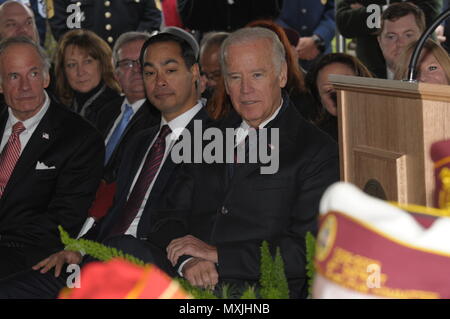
[416, 53]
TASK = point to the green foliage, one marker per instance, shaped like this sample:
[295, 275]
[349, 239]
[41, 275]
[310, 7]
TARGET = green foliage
[310, 252]
[250, 293]
[96, 250]
[273, 279]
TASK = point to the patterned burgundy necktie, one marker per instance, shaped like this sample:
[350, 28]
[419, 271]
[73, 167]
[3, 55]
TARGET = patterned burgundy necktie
[10, 155]
[148, 172]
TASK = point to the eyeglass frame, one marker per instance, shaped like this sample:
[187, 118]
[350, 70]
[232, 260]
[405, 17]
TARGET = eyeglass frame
[130, 63]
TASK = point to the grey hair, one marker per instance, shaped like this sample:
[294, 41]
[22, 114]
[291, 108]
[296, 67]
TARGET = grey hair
[6, 43]
[125, 38]
[211, 39]
[252, 34]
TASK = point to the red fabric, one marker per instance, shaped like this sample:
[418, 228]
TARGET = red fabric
[170, 13]
[10, 155]
[103, 200]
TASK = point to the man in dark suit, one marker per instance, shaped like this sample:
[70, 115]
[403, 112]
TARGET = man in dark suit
[108, 19]
[221, 212]
[48, 174]
[351, 20]
[171, 79]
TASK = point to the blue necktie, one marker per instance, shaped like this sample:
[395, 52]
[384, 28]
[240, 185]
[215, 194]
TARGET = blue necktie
[117, 134]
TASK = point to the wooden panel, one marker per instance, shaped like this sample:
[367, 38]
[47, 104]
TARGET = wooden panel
[374, 165]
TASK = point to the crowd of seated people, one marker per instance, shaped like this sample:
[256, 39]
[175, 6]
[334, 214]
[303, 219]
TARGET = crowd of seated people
[89, 138]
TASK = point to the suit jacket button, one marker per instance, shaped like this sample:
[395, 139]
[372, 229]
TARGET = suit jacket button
[224, 210]
[107, 3]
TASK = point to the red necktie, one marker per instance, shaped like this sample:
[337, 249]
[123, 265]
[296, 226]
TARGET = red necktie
[148, 172]
[10, 155]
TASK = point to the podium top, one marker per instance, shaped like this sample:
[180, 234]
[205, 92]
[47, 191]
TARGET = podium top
[423, 91]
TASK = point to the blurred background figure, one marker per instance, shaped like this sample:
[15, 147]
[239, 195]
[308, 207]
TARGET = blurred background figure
[109, 18]
[209, 59]
[314, 21]
[433, 66]
[351, 20]
[17, 19]
[325, 114]
[85, 80]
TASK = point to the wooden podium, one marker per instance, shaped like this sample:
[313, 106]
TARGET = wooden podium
[386, 129]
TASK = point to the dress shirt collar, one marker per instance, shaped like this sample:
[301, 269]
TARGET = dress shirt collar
[33, 121]
[180, 122]
[242, 131]
[135, 106]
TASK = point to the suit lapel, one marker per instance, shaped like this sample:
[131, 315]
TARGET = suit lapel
[42, 138]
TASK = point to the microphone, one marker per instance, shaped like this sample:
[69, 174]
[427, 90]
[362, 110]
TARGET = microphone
[416, 53]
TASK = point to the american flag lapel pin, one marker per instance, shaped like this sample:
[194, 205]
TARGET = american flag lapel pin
[45, 136]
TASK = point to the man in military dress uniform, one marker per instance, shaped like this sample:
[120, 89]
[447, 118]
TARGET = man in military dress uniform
[107, 18]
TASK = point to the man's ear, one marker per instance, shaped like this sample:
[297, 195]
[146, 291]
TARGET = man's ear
[283, 75]
[195, 70]
[46, 79]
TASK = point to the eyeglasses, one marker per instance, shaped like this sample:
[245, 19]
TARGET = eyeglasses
[127, 64]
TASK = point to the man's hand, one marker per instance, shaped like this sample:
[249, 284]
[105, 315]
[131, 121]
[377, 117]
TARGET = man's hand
[307, 49]
[189, 245]
[201, 273]
[440, 34]
[58, 260]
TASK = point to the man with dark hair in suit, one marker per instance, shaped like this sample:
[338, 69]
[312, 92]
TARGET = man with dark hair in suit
[171, 79]
[122, 118]
[48, 174]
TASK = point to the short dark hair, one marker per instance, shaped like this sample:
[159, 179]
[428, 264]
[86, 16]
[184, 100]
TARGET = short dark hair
[402, 9]
[187, 52]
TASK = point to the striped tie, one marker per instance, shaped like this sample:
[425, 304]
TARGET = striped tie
[148, 172]
[10, 155]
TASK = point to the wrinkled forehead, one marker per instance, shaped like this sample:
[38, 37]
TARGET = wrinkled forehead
[20, 55]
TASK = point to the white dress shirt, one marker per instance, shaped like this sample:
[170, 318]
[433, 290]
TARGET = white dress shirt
[30, 125]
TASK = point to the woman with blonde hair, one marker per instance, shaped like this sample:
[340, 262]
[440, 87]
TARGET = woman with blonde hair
[84, 73]
[433, 65]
